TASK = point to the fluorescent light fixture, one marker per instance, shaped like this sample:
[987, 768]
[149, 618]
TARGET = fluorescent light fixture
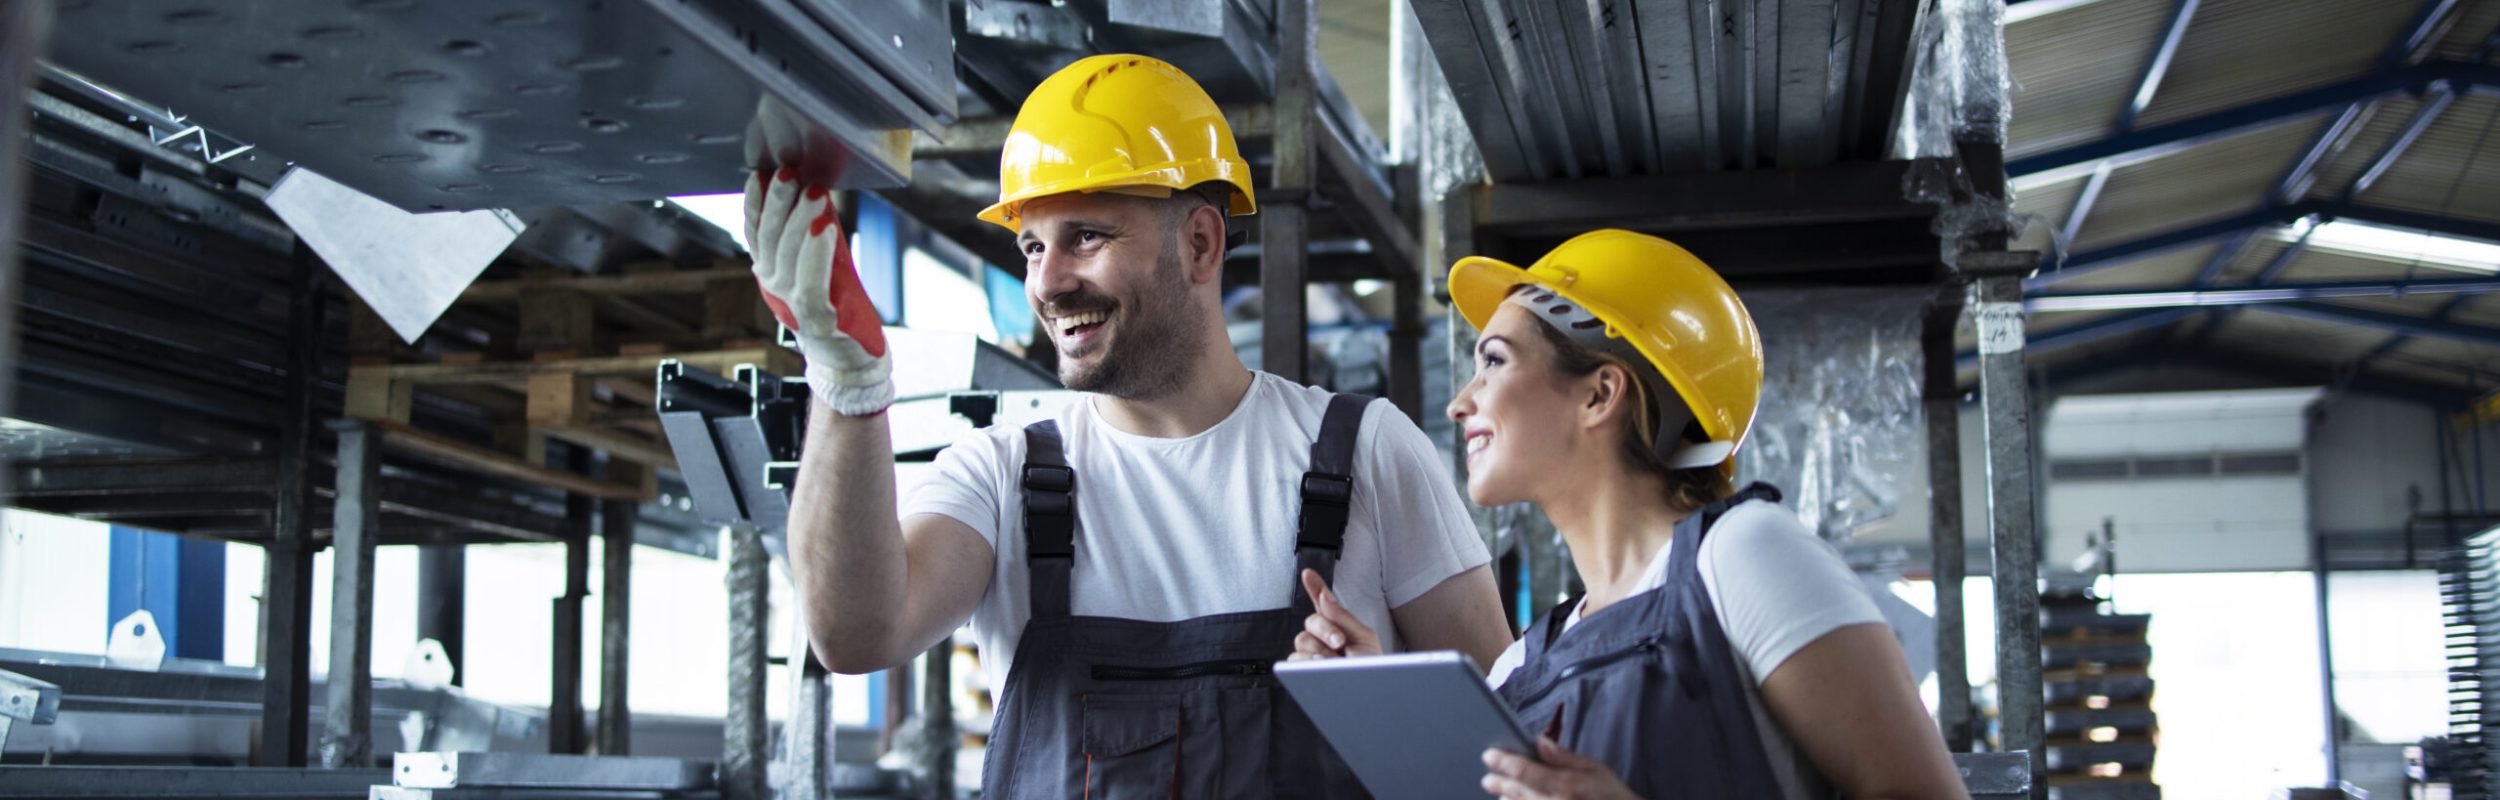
[2399, 245]
[728, 211]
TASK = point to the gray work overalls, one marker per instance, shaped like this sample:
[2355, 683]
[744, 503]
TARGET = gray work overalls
[1649, 685]
[1100, 707]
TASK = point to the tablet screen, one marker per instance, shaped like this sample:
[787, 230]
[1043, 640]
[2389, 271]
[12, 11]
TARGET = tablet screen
[1411, 725]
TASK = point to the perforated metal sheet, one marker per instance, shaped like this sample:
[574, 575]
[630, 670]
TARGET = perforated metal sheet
[463, 104]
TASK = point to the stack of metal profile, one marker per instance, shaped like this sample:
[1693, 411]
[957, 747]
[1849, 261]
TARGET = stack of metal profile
[2469, 589]
[2097, 718]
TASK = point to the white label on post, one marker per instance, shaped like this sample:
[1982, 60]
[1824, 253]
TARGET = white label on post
[2000, 328]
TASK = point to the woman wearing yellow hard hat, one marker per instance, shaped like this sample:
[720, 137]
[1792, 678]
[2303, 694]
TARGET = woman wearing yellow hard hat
[1721, 650]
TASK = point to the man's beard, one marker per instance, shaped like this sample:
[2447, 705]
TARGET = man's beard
[1155, 349]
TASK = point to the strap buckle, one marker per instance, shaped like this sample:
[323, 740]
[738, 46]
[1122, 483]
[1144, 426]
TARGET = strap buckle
[1049, 478]
[1336, 490]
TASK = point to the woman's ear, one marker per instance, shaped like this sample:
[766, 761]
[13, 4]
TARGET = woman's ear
[1609, 392]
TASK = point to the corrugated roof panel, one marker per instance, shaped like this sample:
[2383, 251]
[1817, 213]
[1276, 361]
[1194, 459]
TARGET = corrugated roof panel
[2452, 169]
[2481, 310]
[2420, 306]
[2218, 179]
[2339, 169]
[2075, 69]
[2297, 338]
[2318, 264]
[2174, 268]
[2253, 260]
[2237, 51]
[2446, 359]
[2478, 20]
[2049, 204]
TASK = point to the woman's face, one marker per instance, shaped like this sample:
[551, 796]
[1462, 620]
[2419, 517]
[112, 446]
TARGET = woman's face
[1520, 417]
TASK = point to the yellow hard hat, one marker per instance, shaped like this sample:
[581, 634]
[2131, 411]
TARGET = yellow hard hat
[1673, 309]
[1114, 123]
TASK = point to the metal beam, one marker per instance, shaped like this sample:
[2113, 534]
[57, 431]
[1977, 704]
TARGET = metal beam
[2161, 140]
[2183, 12]
[2102, 258]
[616, 539]
[2432, 106]
[565, 728]
[2265, 292]
[744, 756]
[1841, 193]
[1941, 397]
[442, 602]
[286, 594]
[1284, 216]
[346, 736]
[2410, 326]
[2005, 403]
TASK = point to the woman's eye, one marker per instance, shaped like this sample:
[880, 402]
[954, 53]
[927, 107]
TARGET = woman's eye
[1088, 237]
[1032, 249]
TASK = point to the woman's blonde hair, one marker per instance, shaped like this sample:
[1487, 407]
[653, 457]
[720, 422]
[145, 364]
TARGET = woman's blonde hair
[1687, 489]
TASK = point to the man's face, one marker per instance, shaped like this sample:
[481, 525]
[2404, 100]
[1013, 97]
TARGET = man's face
[1106, 278]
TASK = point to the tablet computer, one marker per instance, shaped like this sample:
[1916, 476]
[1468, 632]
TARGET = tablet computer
[1411, 725]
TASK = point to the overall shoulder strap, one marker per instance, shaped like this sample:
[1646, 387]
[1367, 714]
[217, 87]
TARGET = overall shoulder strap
[1327, 493]
[1049, 488]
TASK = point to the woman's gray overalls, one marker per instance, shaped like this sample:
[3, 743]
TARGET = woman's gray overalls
[1649, 685]
[1100, 707]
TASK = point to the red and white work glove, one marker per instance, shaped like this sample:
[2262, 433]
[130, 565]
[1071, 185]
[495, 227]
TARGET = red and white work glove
[803, 263]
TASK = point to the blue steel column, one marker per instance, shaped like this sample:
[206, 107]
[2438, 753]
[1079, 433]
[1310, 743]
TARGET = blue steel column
[181, 582]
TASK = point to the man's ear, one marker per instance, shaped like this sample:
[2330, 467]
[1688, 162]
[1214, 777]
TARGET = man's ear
[1202, 244]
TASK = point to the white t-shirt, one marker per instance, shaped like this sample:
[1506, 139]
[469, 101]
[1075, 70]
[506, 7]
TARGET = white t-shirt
[1776, 588]
[1171, 529]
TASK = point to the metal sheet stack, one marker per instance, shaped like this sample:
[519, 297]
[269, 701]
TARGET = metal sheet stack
[2469, 588]
[2097, 696]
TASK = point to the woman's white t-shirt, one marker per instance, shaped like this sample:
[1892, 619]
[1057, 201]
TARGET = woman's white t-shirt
[1776, 588]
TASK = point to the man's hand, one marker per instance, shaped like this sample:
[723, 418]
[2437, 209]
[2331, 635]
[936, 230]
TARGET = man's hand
[1563, 775]
[1331, 631]
[803, 264]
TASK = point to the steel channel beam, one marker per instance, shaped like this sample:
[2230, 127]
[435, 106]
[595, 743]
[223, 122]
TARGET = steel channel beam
[616, 539]
[2005, 403]
[497, 770]
[1841, 193]
[743, 753]
[1940, 395]
[808, 728]
[1284, 224]
[286, 594]
[346, 735]
[187, 782]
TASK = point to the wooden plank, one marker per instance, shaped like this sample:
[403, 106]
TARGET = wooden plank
[402, 437]
[618, 444]
[689, 281]
[558, 398]
[733, 307]
[644, 392]
[557, 320]
[372, 393]
[643, 318]
[771, 358]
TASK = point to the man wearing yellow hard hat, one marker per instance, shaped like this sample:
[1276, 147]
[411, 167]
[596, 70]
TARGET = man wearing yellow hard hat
[1133, 566]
